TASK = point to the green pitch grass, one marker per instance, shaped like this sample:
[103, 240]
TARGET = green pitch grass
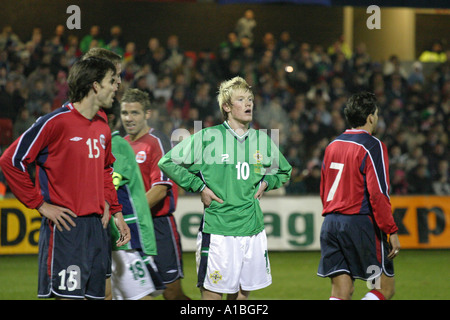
[420, 275]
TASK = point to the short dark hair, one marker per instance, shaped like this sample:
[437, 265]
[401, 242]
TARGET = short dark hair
[84, 73]
[136, 95]
[358, 108]
[104, 54]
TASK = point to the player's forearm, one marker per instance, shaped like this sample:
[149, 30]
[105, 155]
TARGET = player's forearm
[156, 194]
[280, 177]
[382, 212]
[20, 184]
[180, 175]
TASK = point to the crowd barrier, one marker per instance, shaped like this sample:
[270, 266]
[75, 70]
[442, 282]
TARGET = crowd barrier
[292, 223]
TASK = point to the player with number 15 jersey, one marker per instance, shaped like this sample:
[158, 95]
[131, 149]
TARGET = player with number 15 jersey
[55, 141]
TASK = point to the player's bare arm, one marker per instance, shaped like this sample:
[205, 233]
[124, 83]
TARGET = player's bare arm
[395, 245]
[105, 217]
[124, 230]
[156, 194]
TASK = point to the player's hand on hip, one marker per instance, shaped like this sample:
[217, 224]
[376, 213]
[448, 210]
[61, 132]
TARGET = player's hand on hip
[261, 189]
[395, 246]
[60, 216]
[207, 196]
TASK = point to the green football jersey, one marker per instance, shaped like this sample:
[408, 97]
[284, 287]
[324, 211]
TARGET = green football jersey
[131, 194]
[233, 167]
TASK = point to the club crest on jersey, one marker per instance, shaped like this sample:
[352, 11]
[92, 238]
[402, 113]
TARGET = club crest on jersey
[141, 157]
[215, 276]
[102, 141]
[258, 156]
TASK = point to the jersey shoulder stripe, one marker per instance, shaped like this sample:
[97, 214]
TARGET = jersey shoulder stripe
[29, 137]
[374, 149]
[163, 140]
[165, 146]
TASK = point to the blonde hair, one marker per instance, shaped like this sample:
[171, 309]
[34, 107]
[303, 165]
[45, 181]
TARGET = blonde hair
[226, 90]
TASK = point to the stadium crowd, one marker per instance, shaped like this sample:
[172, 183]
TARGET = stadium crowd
[300, 89]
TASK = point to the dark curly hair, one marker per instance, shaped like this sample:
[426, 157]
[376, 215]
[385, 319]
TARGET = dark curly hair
[84, 73]
[358, 108]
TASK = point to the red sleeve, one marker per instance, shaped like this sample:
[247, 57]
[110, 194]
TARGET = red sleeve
[110, 190]
[157, 176]
[377, 177]
[15, 160]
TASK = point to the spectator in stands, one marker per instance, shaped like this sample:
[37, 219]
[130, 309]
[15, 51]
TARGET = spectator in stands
[61, 89]
[417, 105]
[8, 38]
[130, 53]
[246, 24]
[416, 75]
[174, 53]
[38, 96]
[94, 35]
[115, 42]
[441, 183]
[419, 181]
[435, 54]
[9, 102]
[23, 122]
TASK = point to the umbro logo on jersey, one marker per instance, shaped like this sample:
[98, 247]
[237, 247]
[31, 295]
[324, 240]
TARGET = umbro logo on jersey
[76, 139]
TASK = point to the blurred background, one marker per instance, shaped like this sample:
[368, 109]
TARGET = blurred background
[303, 59]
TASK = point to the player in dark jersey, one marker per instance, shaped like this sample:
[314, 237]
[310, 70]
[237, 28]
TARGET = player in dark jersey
[150, 145]
[72, 150]
[358, 216]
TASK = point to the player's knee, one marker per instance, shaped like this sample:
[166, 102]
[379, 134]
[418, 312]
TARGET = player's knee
[387, 287]
[388, 293]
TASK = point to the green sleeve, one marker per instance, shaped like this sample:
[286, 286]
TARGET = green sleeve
[180, 163]
[280, 171]
[121, 151]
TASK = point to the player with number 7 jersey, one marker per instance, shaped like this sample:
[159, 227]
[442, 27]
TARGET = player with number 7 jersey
[354, 190]
[355, 178]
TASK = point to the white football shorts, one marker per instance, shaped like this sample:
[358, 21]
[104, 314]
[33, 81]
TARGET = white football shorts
[130, 279]
[226, 264]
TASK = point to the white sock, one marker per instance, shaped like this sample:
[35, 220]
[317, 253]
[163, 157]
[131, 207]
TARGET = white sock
[373, 295]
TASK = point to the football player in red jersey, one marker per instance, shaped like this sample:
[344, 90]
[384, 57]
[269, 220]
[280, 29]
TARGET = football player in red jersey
[358, 216]
[150, 145]
[72, 151]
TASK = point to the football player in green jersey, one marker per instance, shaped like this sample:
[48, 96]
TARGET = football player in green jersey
[230, 165]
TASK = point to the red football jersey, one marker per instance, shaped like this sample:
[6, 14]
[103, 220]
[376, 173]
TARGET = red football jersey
[73, 163]
[355, 178]
[149, 149]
